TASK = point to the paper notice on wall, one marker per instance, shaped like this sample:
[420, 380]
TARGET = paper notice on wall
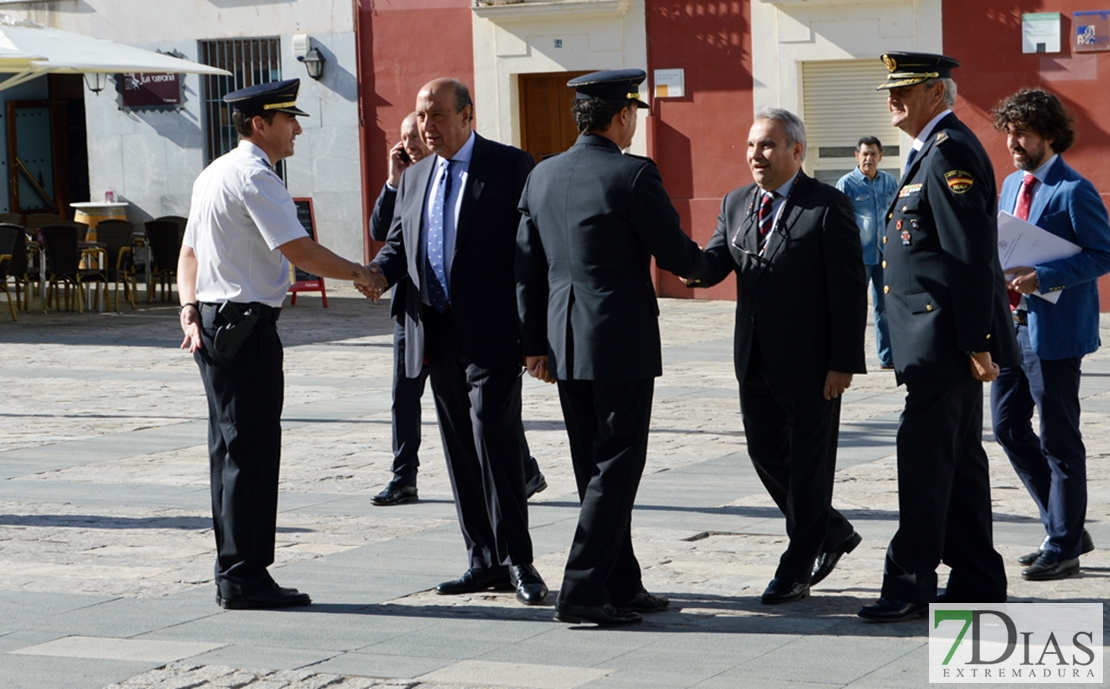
[1021, 243]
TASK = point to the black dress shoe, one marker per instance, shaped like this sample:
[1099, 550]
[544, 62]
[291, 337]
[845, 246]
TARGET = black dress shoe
[272, 597]
[826, 561]
[1051, 566]
[394, 494]
[890, 610]
[645, 602]
[784, 591]
[1087, 546]
[475, 580]
[536, 484]
[602, 615]
[530, 588]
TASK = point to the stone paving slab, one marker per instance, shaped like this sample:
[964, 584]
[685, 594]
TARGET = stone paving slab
[105, 528]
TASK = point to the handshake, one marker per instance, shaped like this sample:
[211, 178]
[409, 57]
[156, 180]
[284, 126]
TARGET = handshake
[370, 282]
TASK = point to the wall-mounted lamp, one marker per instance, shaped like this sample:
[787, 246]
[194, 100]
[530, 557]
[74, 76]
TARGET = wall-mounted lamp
[314, 63]
[96, 81]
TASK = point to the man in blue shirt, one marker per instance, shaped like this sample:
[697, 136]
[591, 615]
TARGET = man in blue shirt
[871, 191]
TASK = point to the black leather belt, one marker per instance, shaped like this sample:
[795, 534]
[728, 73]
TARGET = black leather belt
[265, 313]
[1021, 317]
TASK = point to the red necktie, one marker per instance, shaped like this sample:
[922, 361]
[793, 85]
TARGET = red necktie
[766, 214]
[1025, 201]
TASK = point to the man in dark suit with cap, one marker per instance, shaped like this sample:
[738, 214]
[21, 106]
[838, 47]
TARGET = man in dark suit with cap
[232, 277]
[950, 331]
[592, 219]
[801, 308]
[452, 237]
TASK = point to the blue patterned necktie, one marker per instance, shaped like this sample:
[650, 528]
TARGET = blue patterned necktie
[435, 268]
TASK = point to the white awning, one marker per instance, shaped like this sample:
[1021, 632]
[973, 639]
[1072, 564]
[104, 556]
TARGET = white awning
[29, 50]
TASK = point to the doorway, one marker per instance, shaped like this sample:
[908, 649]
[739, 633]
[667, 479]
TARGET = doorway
[547, 124]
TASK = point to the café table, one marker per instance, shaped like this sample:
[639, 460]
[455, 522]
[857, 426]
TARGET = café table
[93, 212]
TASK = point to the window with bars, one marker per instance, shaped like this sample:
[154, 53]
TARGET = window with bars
[251, 61]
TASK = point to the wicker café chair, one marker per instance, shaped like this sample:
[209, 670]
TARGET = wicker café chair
[165, 244]
[8, 236]
[116, 236]
[19, 268]
[60, 242]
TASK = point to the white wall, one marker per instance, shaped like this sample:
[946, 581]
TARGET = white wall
[517, 40]
[786, 33]
[150, 157]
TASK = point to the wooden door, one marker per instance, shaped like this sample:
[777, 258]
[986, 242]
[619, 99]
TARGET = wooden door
[547, 124]
[37, 157]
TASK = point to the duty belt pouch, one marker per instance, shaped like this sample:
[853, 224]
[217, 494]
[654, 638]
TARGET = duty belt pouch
[238, 327]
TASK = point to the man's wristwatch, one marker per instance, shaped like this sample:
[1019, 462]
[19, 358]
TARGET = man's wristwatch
[186, 305]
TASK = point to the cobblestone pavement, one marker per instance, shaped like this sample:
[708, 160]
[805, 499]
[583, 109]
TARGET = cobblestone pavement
[106, 542]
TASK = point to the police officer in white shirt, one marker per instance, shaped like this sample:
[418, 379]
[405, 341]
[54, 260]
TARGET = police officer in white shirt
[232, 277]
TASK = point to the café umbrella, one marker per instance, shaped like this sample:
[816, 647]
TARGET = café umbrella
[29, 50]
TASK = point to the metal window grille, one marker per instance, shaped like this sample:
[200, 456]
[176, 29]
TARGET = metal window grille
[251, 61]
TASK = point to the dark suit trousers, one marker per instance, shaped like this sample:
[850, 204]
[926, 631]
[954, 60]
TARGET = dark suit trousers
[1053, 467]
[479, 421]
[245, 396]
[407, 416]
[406, 412]
[607, 423]
[944, 499]
[792, 440]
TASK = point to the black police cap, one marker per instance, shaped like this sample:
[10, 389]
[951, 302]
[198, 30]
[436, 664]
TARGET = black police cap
[279, 96]
[907, 69]
[610, 84]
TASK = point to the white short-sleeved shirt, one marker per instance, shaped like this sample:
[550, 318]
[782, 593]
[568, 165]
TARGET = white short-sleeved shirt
[240, 214]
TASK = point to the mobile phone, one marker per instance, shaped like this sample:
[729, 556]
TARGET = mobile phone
[405, 158]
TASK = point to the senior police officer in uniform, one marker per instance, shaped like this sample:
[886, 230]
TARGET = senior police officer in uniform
[591, 221]
[232, 276]
[950, 331]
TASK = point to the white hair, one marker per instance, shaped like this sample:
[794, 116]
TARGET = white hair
[949, 89]
[792, 124]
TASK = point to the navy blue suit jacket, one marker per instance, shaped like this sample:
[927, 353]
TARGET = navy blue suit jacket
[1068, 206]
[483, 282]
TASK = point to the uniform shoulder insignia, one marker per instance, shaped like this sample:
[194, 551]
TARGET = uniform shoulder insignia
[633, 155]
[941, 137]
[958, 181]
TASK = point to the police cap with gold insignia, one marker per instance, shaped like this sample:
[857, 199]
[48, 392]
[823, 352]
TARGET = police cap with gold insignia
[907, 69]
[276, 96]
[610, 84]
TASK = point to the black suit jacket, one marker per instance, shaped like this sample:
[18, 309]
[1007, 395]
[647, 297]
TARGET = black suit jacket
[592, 218]
[483, 285]
[380, 222]
[946, 294]
[805, 298]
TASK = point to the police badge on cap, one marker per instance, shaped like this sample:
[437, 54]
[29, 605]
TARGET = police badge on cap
[276, 96]
[610, 84]
[907, 69]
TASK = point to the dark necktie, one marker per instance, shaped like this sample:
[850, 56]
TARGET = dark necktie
[766, 214]
[909, 161]
[434, 251]
[1025, 202]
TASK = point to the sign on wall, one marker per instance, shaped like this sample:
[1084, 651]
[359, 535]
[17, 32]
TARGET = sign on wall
[146, 90]
[1040, 32]
[1092, 30]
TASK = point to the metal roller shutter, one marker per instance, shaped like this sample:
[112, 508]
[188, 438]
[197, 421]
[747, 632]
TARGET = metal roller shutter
[839, 105]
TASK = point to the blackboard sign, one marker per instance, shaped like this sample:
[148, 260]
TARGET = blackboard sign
[308, 221]
[305, 281]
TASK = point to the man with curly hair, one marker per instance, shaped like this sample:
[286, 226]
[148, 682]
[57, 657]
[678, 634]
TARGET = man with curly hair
[1053, 337]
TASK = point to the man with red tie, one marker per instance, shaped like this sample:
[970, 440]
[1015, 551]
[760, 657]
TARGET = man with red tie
[801, 310]
[1053, 337]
